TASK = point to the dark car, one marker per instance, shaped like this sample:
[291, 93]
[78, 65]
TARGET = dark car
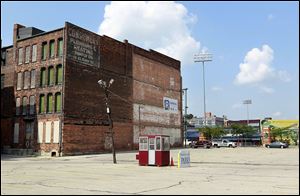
[201, 143]
[277, 145]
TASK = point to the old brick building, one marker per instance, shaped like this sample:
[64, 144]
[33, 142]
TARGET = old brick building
[51, 101]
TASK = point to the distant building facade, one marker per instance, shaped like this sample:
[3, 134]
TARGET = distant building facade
[211, 121]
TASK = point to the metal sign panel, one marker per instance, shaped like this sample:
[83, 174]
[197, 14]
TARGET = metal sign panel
[170, 104]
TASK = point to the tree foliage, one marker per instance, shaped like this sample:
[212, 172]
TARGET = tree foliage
[212, 132]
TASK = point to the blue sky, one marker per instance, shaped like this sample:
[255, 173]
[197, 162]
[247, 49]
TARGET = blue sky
[262, 37]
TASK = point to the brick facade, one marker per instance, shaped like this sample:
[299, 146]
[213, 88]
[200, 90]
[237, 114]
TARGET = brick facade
[140, 78]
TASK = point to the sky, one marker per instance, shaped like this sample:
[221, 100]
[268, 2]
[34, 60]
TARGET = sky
[255, 46]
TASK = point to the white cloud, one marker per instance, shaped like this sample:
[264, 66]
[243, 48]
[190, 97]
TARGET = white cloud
[256, 69]
[277, 114]
[161, 26]
[256, 66]
[216, 88]
[267, 89]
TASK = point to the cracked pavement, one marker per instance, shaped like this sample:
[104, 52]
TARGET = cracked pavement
[225, 171]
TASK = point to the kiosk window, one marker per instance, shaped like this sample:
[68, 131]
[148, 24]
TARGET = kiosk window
[151, 143]
[165, 143]
[158, 143]
[143, 144]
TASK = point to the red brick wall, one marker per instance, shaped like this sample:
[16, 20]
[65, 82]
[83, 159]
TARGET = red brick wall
[84, 139]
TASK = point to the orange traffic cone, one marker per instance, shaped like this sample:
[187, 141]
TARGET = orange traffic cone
[172, 162]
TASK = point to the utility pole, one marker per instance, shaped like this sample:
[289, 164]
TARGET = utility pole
[203, 57]
[184, 91]
[108, 112]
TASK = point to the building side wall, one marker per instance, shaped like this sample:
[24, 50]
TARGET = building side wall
[152, 81]
[89, 58]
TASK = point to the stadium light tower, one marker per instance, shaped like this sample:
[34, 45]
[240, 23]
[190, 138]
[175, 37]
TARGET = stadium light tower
[203, 57]
[247, 102]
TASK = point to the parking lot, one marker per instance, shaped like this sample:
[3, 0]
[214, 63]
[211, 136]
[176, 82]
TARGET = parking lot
[248, 170]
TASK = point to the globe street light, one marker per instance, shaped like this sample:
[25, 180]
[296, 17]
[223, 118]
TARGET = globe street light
[105, 87]
[203, 57]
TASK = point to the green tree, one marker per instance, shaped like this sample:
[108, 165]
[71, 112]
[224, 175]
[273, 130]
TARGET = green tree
[242, 131]
[189, 116]
[212, 132]
[281, 132]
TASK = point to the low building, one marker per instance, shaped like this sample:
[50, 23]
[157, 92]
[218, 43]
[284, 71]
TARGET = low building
[211, 121]
[289, 134]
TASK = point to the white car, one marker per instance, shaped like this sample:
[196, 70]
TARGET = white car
[223, 143]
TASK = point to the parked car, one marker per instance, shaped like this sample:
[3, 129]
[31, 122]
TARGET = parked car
[223, 143]
[201, 143]
[277, 145]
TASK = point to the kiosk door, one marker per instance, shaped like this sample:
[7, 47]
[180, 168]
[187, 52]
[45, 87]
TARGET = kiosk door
[151, 151]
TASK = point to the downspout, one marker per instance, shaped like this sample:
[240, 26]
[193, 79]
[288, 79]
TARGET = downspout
[62, 95]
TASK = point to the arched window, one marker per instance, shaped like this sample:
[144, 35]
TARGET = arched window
[49, 103]
[24, 104]
[42, 103]
[32, 104]
[50, 76]
[58, 102]
[43, 77]
[18, 103]
[59, 74]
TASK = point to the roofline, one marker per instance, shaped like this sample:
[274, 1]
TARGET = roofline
[40, 34]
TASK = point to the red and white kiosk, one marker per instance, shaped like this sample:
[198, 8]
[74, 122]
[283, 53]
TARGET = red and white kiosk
[154, 150]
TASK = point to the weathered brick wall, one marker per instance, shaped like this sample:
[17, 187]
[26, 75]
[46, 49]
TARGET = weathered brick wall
[37, 65]
[84, 105]
[154, 77]
[85, 139]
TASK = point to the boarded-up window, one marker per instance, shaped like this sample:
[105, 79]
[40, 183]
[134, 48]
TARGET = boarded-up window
[44, 50]
[40, 132]
[57, 102]
[48, 132]
[24, 105]
[59, 74]
[27, 54]
[56, 132]
[26, 79]
[42, 103]
[18, 103]
[43, 77]
[32, 104]
[16, 133]
[32, 82]
[49, 103]
[60, 47]
[20, 56]
[19, 81]
[51, 50]
[34, 53]
[29, 130]
[50, 76]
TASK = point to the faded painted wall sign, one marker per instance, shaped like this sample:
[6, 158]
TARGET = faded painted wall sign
[82, 46]
[170, 104]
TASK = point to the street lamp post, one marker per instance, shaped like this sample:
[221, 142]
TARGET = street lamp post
[185, 114]
[108, 112]
[203, 57]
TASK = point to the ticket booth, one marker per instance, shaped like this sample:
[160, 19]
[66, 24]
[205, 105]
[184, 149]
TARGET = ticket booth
[154, 150]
